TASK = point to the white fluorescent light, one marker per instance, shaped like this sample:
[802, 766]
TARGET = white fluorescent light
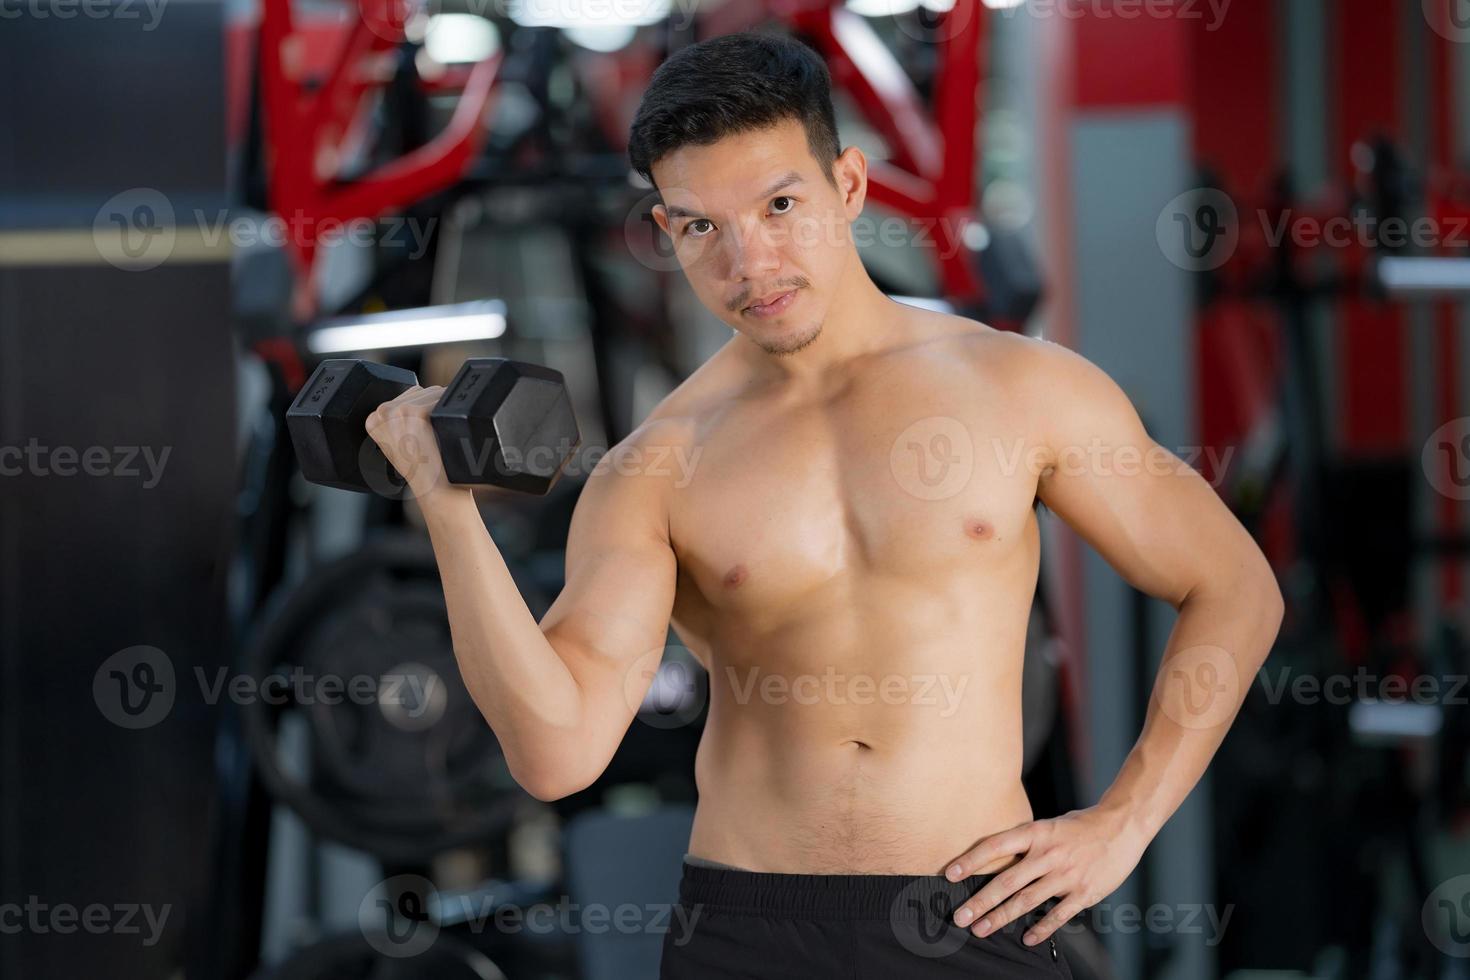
[602, 39]
[586, 13]
[460, 39]
[895, 8]
[481, 320]
[881, 8]
[1424, 277]
[1392, 721]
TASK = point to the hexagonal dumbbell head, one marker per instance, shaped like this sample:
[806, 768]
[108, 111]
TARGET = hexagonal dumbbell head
[328, 420]
[507, 424]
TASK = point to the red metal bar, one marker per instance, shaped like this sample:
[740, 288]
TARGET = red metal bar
[310, 132]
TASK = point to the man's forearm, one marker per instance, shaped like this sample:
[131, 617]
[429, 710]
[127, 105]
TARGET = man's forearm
[514, 675]
[1221, 638]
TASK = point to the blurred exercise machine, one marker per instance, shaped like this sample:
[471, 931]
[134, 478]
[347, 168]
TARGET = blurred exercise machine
[1394, 770]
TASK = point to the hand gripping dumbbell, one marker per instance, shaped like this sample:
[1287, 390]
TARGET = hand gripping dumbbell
[499, 423]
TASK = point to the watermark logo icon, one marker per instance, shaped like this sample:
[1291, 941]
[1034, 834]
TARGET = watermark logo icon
[134, 688]
[1450, 19]
[933, 458]
[1446, 916]
[395, 919]
[1446, 459]
[134, 230]
[1198, 230]
[920, 919]
[1199, 687]
[667, 688]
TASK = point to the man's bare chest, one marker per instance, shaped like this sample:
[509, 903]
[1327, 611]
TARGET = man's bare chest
[912, 478]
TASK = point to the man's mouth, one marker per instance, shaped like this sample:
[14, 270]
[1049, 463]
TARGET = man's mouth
[773, 304]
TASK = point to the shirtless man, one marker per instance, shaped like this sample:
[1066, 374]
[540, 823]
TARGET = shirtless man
[852, 555]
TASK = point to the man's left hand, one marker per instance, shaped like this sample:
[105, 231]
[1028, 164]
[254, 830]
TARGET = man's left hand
[1080, 857]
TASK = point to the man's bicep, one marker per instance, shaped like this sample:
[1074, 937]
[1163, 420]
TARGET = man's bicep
[611, 619]
[1151, 515]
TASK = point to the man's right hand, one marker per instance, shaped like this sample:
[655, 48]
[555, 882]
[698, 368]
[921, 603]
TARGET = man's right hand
[402, 431]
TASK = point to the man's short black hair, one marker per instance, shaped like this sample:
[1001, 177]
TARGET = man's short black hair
[734, 84]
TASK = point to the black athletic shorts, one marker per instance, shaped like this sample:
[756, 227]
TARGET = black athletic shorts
[764, 926]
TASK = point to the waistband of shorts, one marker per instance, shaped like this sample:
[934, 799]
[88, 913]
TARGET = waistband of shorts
[871, 896]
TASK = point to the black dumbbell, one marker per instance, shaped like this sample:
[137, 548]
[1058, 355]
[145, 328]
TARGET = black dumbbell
[499, 423]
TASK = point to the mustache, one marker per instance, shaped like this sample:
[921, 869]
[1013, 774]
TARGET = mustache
[743, 300]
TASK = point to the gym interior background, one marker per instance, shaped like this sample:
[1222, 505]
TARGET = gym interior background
[1253, 214]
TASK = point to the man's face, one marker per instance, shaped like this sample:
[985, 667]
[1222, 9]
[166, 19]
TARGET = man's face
[760, 233]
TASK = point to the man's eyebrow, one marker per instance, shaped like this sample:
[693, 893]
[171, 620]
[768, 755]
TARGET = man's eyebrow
[786, 180]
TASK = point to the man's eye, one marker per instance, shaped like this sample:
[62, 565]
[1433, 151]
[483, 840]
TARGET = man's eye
[699, 226]
[780, 210]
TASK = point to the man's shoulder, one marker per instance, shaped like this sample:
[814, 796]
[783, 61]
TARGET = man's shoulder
[1004, 357]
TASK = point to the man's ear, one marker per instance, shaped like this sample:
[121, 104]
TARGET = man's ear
[661, 218]
[850, 172]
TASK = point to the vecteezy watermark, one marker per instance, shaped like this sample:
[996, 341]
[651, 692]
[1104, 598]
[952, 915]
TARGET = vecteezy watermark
[665, 687]
[495, 457]
[136, 688]
[395, 917]
[1102, 459]
[34, 459]
[1364, 686]
[1211, 12]
[1446, 459]
[138, 229]
[1450, 19]
[834, 687]
[1198, 230]
[919, 917]
[1201, 229]
[1445, 916]
[134, 229]
[1198, 687]
[147, 12]
[41, 918]
[402, 916]
[1361, 229]
[933, 458]
[1185, 919]
[299, 228]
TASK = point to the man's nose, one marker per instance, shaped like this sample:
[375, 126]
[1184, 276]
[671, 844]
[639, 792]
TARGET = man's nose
[754, 252]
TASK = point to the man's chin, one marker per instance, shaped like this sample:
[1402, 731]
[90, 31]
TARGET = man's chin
[787, 342]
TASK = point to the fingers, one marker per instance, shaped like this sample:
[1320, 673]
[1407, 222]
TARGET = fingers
[1017, 840]
[1059, 916]
[411, 401]
[1004, 897]
[1014, 907]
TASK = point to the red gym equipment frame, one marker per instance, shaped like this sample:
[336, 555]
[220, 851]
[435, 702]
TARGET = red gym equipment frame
[309, 132]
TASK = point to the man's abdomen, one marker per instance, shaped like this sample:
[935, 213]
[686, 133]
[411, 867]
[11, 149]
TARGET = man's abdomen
[896, 785]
